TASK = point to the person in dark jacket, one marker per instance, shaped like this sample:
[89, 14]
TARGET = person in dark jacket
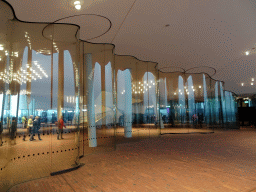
[26, 127]
[200, 119]
[36, 127]
[13, 127]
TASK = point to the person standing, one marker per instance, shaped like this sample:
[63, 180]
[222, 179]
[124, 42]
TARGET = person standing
[36, 126]
[13, 128]
[194, 119]
[26, 127]
[26, 123]
[23, 122]
[60, 127]
[31, 128]
[200, 119]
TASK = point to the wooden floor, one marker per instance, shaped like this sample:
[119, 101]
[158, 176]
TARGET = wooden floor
[223, 161]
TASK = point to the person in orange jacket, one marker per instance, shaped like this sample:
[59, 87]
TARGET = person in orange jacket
[60, 128]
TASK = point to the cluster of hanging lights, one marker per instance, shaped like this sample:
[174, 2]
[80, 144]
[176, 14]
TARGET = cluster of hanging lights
[142, 87]
[186, 89]
[23, 75]
[252, 82]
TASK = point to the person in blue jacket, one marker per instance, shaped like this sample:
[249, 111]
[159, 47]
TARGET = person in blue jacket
[35, 129]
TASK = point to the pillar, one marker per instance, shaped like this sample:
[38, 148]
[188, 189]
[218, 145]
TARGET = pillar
[29, 78]
[60, 83]
[103, 94]
[90, 102]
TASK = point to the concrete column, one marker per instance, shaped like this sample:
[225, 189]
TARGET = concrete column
[60, 83]
[90, 101]
[128, 105]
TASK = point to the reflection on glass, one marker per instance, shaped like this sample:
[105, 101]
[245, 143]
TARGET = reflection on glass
[181, 107]
[191, 100]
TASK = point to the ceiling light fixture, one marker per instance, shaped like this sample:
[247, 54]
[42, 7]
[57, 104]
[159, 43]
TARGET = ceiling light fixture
[242, 84]
[251, 83]
[247, 53]
[77, 5]
[252, 79]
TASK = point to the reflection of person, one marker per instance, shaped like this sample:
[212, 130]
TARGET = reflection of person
[30, 126]
[200, 119]
[171, 119]
[26, 122]
[36, 126]
[194, 119]
[60, 128]
[13, 128]
[8, 121]
[26, 127]
[1, 131]
[121, 120]
[23, 121]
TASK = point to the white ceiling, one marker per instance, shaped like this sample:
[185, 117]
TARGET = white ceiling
[212, 33]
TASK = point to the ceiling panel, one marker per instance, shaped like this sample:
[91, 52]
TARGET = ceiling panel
[180, 33]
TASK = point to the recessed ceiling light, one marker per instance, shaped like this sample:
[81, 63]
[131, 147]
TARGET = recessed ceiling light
[242, 84]
[77, 3]
[247, 53]
[78, 7]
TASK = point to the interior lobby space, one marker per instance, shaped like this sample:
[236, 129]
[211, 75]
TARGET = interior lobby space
[127, 95]
[223, 161]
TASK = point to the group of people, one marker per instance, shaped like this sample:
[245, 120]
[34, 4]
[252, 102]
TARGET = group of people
[33, 126]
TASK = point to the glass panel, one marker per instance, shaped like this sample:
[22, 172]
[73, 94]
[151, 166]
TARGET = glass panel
[189, 102]
[61, 98]
[6, 14]
[99, 116]
[65, 97]
[28, 98]
[192, 114]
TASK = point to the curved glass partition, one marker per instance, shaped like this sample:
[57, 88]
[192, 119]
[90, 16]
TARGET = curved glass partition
[189, 102]
[98, 111]
[137, 103]
[39, 73]
[62, 98]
